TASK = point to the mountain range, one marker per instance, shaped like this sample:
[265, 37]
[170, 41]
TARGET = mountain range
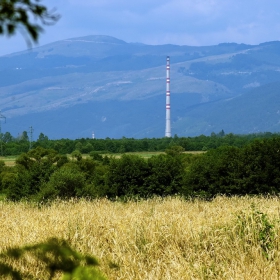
[102, 85]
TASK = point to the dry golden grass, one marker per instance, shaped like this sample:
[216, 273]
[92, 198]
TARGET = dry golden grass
[155, 239]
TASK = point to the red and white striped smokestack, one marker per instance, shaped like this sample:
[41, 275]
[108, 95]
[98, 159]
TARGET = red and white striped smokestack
[168, 125]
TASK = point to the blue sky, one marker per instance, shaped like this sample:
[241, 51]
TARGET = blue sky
[182, 22]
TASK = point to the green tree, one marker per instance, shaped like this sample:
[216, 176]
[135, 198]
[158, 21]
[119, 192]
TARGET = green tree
[253, 169]
[221, 133]
[214, 172]
[24, 136]
[126, 176]
[76, 155]
[2, 170]
[79, 146]
[87, 148]
[66, 182]
[42, 141]
[32, 170]
[174, 150]
[7, 137]
[260, 172]
[165, 175]
[96, 156]
[17, 184]
[42, 137]
[87, 166]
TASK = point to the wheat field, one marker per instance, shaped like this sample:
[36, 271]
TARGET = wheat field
[170, 238]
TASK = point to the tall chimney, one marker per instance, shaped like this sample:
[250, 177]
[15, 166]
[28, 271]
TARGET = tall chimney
[168, 125]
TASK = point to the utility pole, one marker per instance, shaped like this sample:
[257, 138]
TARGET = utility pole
[31, 134]
[1, 136]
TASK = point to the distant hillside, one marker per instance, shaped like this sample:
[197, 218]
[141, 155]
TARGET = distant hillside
[99, 83]
[257, 110]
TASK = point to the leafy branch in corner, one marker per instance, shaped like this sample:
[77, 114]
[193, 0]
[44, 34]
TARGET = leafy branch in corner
[56, 256]
[15, 15]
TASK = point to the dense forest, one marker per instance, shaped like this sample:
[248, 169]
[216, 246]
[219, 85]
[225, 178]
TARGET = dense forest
[231, 165]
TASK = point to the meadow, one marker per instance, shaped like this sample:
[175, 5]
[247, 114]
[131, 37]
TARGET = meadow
[159, 238]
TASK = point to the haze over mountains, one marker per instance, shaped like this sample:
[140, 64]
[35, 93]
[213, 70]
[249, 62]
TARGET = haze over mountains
[100, 84]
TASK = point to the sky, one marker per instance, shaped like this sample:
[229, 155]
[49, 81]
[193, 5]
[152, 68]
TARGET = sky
[180, 22]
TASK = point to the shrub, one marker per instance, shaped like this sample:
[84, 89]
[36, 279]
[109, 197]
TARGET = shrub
[255, 229]
[66, 182]
[126, 176]
[17, 185]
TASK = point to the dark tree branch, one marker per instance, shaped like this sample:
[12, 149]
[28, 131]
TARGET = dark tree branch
[26, 16]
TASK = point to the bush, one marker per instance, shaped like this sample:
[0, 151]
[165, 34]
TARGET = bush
[126, 176]
[253, 169]
[66, 182]
[17, 185]
[165, 175]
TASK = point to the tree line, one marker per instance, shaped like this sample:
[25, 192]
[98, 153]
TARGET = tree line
[44, 174]
[11, 145]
